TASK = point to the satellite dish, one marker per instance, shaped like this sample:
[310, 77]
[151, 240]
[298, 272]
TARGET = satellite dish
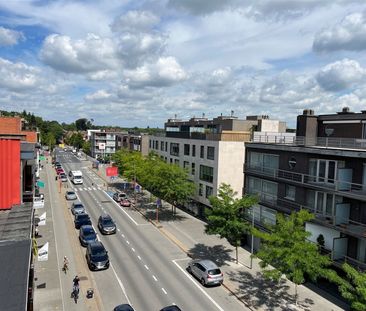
[329, 131]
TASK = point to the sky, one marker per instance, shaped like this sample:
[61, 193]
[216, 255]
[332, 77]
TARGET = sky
[138, 63]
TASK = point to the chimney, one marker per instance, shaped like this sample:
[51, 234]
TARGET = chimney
[307, 126]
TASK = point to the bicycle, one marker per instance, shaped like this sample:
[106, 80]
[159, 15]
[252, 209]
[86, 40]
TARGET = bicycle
[65, 267]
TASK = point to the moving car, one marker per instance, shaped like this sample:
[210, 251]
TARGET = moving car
[106, 224]
[125, 203]
[171, 308]
[118, 196]
[87, 235]
[77, 208]
[206, 271]
[70, 195]
[124, 307]
[97, 256]
[81, 220]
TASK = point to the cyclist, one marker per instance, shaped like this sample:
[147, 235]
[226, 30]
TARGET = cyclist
[66, 264]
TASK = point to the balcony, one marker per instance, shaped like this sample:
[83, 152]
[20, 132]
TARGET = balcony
[322, 142]
[223, 136]
[341, 187]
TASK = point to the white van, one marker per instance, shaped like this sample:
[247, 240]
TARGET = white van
[76, 177]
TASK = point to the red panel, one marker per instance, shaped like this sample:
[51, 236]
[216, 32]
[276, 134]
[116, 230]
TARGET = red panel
[9, 173]
[111, 171]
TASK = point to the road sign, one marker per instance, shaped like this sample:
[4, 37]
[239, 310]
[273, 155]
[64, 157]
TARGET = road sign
[40, 184]
[42, 157]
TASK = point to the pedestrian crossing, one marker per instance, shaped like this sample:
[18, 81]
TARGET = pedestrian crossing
[80, 189]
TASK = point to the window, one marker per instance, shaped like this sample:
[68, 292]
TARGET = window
[202, 152]
[171, 160]
[193, 168]
[211, 153]
[186, 149]
[193, 150]
[209, 191]
[162, 146]
[324, 171]
[322, 203]
[200, 190]
[150, 143]
[166, 146]
[290, 192]
[263, 161]
[174, 149]
[267, 190]
[206, 173]
[176, 161]
[185, 164]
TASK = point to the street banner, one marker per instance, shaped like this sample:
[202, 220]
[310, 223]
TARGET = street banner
[111, 171]
[42, 157]
[43, 253]
[40, 184]
[42, 219]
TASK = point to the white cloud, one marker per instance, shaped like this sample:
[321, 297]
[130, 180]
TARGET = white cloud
[93, 54]
[99, 95]
[135, 21]
[349, 34]
[166, 71]
[10, 37]
[340, 75]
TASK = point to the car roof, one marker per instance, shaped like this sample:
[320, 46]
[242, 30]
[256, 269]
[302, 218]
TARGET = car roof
[81, 214]
[77, 203]
[105, 216]
[124, 307]
[208, 264]
[87, 227]
[171, 308]
[96, 244]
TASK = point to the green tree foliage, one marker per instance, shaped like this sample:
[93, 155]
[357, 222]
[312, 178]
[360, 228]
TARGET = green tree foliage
[83, 124]
[287, 250]
[86, 147]
[226, 217]
[354, 288]
[76, 140]
[49, 140]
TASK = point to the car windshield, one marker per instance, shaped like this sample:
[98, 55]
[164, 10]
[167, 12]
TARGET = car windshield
[214, 271]
[108, 222]
[99, 253]
[83, 217]
[71, 193]
[88, 231]
[78, 206]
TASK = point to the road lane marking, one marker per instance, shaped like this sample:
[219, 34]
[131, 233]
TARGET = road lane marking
[120, 207]
[139, 257]
[128, 242]
[164, 291]
[119, 230]
[146, 267]
[133, 249]
[198, 286]
[120, 284]
[154, 277]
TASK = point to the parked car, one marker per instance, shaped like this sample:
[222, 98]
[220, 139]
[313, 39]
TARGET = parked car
[97, 256]
[106, 224]
[118, 196]
[124, 307]
[125, 203]
[206, 271]
[87, 235]
[171, 308]
[62, 177]
[70, 195]
[77, 208]
[59, 171]
[81, 220]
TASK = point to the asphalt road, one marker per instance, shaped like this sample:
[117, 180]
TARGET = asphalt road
[147, 269]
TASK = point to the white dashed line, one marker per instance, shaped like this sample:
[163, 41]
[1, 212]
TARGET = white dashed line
[128, 242]
[119, 230]
[133, 249]
[154, 277]
[139, 257]
[146, 267]
[164, 291]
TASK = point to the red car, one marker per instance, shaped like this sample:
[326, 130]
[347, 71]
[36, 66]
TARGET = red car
[125, 203]
[59, 170]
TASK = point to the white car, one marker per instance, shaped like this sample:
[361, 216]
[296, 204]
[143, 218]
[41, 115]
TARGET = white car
[70, 195]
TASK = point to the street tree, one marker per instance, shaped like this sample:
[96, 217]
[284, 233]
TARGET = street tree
[83, 124]
[226, 217]
[285, 249]
[353, 288]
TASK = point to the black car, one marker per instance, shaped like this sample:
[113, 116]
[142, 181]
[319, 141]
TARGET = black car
[124, 307]
[106, 224]
[81, 220]
[171, 308]
[87, 235]
[97, 256]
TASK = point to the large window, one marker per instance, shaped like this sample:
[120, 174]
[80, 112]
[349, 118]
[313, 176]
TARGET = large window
[322, 203]
[185, 164]
[202, 152]
[193, 150]
[186, 149]
[162, 146]
[263, 161]
[206, 173]
[290, 192]
[193, 169]
[211, 153]
[174, 149]
[267, 190]
[209, 191]
[324, 171]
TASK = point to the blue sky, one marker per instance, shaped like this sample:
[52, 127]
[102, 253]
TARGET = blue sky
[138, 63]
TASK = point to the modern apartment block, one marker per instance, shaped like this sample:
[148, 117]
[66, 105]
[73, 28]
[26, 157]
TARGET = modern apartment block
[323, 170]
[103, 144]
[133, 142]
[211, 150]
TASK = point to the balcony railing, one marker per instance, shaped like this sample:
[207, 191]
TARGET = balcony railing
[324, 142]
[340, 186]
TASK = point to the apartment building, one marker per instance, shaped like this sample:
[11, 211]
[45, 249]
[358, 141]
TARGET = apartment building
[211, 150]
[323, 170]
[103, 144]
[133, 142]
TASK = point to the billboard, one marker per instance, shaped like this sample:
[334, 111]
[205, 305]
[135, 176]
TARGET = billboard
[101, 146]
[111, 171]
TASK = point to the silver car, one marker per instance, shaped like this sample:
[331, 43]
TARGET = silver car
[77, 208]
[70, 195]
[206, 271]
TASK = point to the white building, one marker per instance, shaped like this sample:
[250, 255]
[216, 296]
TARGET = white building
[211, 150]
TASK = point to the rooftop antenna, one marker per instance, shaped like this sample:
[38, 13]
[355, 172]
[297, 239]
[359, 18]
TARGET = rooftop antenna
[203, 115]
[232, 112]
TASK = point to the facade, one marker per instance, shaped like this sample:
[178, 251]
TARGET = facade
[103, 144]
[323, 170]
[211, 150]
[133, 142]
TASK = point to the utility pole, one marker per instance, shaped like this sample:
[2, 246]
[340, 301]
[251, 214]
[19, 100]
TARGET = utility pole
[252, 244]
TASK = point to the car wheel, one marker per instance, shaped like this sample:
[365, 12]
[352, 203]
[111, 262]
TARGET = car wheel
[189, 269]
[203, 282]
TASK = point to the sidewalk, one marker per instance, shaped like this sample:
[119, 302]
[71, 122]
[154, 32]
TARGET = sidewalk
[248, 285]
